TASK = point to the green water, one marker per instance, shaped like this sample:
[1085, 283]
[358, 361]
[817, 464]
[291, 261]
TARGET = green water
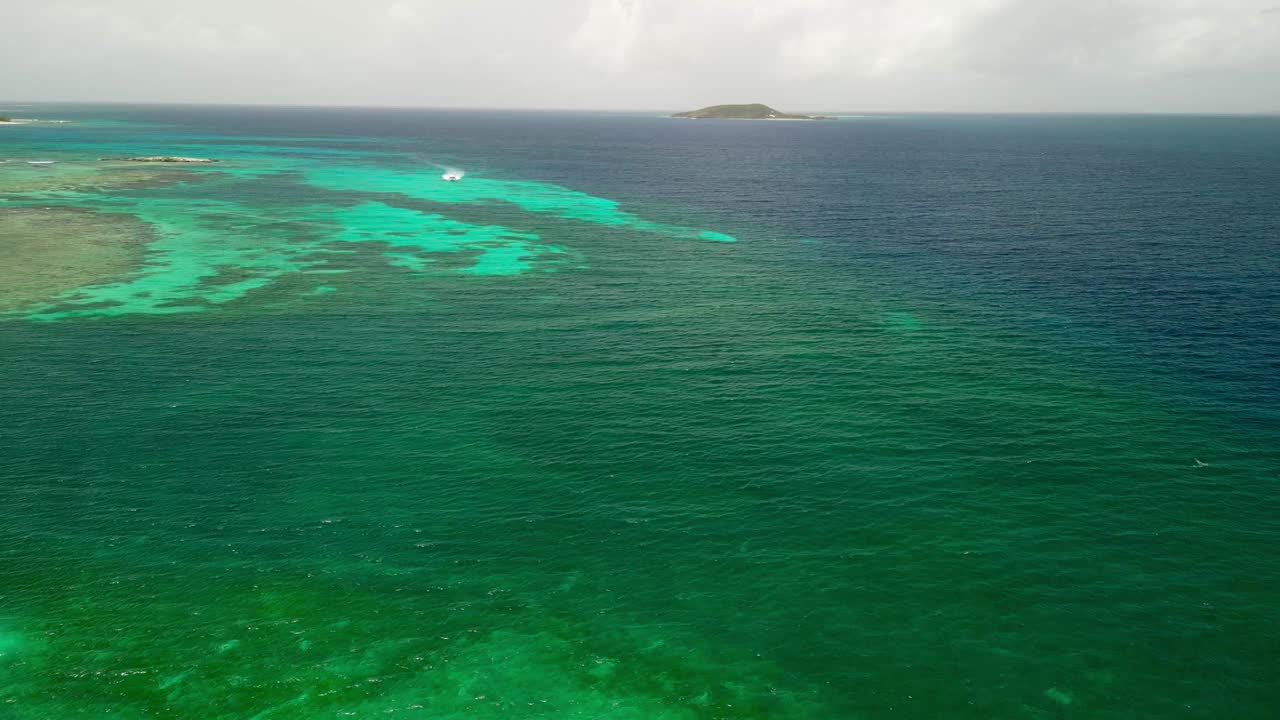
[349, 441]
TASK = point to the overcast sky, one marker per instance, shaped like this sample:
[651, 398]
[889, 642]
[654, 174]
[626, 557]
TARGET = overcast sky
[798, 55]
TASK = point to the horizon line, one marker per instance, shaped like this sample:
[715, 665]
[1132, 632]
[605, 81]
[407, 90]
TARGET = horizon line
[621, 111]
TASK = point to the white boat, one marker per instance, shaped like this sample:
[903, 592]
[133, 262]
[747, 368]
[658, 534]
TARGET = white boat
[41, 162]
[451, 177]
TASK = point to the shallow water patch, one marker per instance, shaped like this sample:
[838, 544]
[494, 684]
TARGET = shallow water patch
[45, 251]
[414, 236]
[294, 653]
[534, 197]
[209, 253]
[11, 644]
[239, 233]
[91, 175]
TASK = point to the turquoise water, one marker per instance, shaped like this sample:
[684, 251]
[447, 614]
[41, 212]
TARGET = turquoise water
[976, 418]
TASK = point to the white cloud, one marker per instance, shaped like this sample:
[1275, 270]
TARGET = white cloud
[801, 54]
[608, 32]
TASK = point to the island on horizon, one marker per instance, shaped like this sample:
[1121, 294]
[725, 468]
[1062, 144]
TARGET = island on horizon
[753, 111]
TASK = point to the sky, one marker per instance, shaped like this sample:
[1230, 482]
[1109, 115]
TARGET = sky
[797, 55]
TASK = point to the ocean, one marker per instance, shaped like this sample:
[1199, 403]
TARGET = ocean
[914, 416]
